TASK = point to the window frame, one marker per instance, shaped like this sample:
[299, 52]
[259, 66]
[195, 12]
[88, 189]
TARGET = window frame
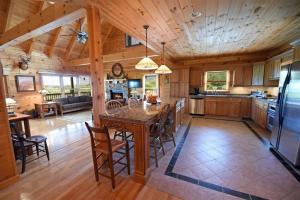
[128, 41]
[227, 82]
[144, 83]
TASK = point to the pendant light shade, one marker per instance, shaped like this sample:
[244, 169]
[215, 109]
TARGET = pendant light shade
[163, 69]
[146, 63]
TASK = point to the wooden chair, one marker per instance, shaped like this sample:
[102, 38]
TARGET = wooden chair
[22, 144]
[156, 131]
[132, 102]
[111, 107]
[103, 149]
[167, 135]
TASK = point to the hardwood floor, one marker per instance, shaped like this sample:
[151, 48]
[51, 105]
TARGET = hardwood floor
[69, 174]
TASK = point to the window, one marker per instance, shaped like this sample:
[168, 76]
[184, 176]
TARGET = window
[84, 85]
[216, 81]
[51, 83]
[70, 85]
[151, 84]
[131, 41]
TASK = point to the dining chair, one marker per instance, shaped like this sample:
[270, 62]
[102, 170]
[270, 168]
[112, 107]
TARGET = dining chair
[156, 131]
[132, 102]
[21, 145]
[111, 107]
[103, 149]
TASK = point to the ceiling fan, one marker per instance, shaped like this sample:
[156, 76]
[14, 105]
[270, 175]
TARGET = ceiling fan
[80, 34]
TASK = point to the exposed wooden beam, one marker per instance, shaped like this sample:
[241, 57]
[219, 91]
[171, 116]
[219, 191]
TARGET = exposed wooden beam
[42, 5]
[72, 42]
[130, 54]
[5, 14]
[52, 17]
[53, 42]
[83, 49]
[96, 60]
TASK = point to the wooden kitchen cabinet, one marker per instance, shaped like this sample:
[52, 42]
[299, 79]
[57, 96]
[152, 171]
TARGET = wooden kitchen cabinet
[242, 76]
[259, 112]
[248, 73]
[246, 104]
[223, 106]
[210, 106]
[196, 78]
[235, 107]
[297, 53]
[258, 74]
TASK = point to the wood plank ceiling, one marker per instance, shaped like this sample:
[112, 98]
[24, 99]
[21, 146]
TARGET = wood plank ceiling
[224, 27]
[191, 28]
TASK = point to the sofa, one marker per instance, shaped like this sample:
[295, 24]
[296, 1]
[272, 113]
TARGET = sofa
[70, 104]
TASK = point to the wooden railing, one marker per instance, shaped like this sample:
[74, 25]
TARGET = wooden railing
[53, 96]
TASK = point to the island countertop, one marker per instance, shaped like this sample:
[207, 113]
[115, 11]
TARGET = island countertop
[140, 113]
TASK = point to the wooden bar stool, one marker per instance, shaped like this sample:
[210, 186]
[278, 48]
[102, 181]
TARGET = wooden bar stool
[156, 131]
[112, 107]
[103, 148]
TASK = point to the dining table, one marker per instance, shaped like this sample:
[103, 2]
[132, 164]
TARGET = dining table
[137, 119]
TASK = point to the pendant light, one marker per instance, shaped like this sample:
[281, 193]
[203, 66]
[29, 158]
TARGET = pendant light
[163, 69]
[146, 63]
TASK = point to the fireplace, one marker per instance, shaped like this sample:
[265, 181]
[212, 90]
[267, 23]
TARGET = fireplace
[116, 94]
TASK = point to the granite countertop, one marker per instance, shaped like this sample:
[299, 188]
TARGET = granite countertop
[201, 96]
[140, 113]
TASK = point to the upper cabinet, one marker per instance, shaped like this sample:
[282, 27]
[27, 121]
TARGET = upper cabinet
[242, 76]
[273, 67]
[297, 53]
[258, 74]
[196, 77]
[180, 75]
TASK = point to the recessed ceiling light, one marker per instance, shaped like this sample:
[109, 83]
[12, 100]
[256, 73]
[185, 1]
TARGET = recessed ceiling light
[51, 2]
[196, 14]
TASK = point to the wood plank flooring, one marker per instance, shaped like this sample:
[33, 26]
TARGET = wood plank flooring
[69, 174]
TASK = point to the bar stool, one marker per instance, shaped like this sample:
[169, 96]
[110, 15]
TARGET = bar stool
[156, 131]
[103, 148]
[111, 107]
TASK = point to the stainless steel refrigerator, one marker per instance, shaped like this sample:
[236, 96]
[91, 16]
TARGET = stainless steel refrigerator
[286, 130]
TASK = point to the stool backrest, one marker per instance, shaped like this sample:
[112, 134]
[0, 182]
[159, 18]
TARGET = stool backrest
[112, 106]
[132, 101]
[99, 135]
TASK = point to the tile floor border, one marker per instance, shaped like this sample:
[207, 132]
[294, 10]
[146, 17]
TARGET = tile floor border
[218, 188]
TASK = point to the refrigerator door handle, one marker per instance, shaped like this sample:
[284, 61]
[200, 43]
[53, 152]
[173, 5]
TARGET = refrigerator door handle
[283, 96]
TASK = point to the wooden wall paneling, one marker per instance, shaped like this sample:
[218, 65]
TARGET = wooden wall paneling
[8, 170]
[96, 60]
[52, 17]
[175, 76]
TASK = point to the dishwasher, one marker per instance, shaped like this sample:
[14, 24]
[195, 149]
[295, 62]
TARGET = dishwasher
[196, 106]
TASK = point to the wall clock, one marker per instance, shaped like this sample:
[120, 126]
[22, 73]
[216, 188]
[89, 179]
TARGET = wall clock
[117, 70]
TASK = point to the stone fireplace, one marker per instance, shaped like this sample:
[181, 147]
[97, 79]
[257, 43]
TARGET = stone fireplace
[116, 89]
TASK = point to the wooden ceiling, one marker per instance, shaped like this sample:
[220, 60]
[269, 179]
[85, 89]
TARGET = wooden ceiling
[225, 26]
[222, 27]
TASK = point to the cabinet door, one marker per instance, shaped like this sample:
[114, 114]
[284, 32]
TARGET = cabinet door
[235, 108]
[297, 53]
[253, 110]
[184, 75]
[210, 107]
[248, 71]
[183, 89]
[196, 77]
[258, 74]
[223, 107]
[238, 76]
[246, 108]
[277, 68]
[174, 77]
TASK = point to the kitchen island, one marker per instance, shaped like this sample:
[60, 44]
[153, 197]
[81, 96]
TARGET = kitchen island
[137, 119]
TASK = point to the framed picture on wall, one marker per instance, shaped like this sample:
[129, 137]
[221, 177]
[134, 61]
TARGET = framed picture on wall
[25, 83]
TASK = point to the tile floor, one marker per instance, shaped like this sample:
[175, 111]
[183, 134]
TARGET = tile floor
[224, 160]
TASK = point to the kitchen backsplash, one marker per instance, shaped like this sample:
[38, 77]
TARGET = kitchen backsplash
[247, 90]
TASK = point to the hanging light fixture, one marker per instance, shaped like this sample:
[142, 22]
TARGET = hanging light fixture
[163, 69]
[146, 63]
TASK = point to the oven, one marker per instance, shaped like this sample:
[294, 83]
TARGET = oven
[271, 116]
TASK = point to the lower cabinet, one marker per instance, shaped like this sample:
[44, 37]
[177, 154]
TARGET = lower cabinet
[230, 107]
[259, 112]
